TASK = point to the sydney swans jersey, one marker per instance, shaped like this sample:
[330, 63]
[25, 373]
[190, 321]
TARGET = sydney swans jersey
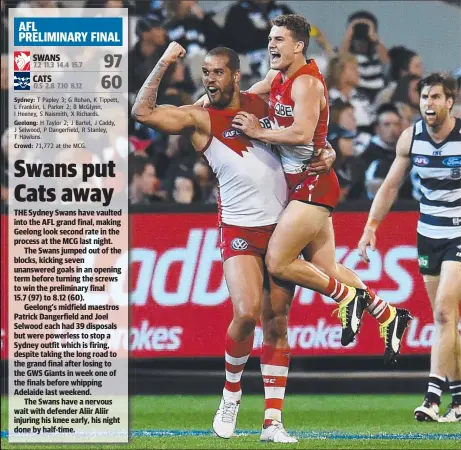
[439, 167]
[252, 187]
[295, 157]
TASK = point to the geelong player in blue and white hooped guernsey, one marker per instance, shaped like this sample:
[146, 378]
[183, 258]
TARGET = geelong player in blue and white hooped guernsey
[433, 147]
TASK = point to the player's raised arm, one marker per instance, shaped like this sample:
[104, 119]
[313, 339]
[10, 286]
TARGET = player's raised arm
[166, 119]
[307, 94]
[387, 193]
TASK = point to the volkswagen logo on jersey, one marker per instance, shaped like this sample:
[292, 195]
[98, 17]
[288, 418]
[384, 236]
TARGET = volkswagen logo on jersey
[239, 244]
[420, 160]
[231, 133]
[453, 161]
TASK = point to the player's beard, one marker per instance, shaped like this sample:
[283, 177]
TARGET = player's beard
[440, 117]
[225, 98]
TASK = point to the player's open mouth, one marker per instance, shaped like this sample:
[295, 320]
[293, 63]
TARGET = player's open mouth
[212, 90]
[430, 113]
[275, 56]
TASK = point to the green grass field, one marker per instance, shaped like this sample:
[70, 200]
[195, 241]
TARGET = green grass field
[320, 421]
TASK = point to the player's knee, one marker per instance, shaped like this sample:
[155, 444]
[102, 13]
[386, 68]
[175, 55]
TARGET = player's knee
[275, 328]
[247, 320]
[274, 265]
[444, 316]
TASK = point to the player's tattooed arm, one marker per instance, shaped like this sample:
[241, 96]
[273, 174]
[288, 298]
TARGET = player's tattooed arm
[146, 100]
[167, 119]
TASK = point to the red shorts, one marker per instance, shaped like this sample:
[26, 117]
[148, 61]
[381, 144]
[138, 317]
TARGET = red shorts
[320, 190]
[236, 240]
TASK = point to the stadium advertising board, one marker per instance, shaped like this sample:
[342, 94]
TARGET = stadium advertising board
[180, 305]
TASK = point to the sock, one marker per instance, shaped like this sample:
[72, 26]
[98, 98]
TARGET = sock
[274, 369]
[455, 389]
[434, 388]
[237, 354]
[339, 291]
[381, 310]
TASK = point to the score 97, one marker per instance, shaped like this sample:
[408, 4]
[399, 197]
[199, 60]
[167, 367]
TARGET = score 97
[112, 61]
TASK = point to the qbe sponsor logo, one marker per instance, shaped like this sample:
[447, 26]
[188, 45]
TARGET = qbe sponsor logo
[282, 110]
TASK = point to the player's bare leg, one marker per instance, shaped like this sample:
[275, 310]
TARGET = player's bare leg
[393, 321]
[445, 356]
[444, 293]
[298, 227]
[275, 358]
[244, 275]
[429, 410]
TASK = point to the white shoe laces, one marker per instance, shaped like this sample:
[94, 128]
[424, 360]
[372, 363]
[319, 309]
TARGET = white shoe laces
[228, 411]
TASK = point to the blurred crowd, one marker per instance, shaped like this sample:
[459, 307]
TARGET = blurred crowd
[372, 90]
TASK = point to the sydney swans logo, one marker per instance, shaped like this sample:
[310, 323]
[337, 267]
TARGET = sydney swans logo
[22, 60]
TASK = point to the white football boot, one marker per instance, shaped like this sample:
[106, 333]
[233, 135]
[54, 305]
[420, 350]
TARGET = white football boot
[276, 433]
[225, 419]
[428, 412]
[453, 414]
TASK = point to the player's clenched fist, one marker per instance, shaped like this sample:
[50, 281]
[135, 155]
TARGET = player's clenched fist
[173, 52]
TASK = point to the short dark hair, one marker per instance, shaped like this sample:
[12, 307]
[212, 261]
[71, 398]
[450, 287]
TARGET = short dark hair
[298, 25]
[384, 109]
[233, 60]
[147, 23]
[363, 15]
[336, 109]
[440, 78]
[400, 60]
[137, 165]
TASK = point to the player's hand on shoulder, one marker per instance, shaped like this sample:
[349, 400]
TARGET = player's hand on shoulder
[173, 52]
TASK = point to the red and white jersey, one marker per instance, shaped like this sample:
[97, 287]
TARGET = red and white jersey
[252, 186]
[295, 157]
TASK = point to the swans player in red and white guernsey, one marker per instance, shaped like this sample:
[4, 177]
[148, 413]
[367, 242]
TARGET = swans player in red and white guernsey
[299, 119]
[253, 194]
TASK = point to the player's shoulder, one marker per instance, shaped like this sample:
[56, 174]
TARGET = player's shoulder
[195, 111]
[408, 132]
[254, 104]
[307, 81]
[405, 140]
[200, 116]
[249, 98]
[271, 74]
